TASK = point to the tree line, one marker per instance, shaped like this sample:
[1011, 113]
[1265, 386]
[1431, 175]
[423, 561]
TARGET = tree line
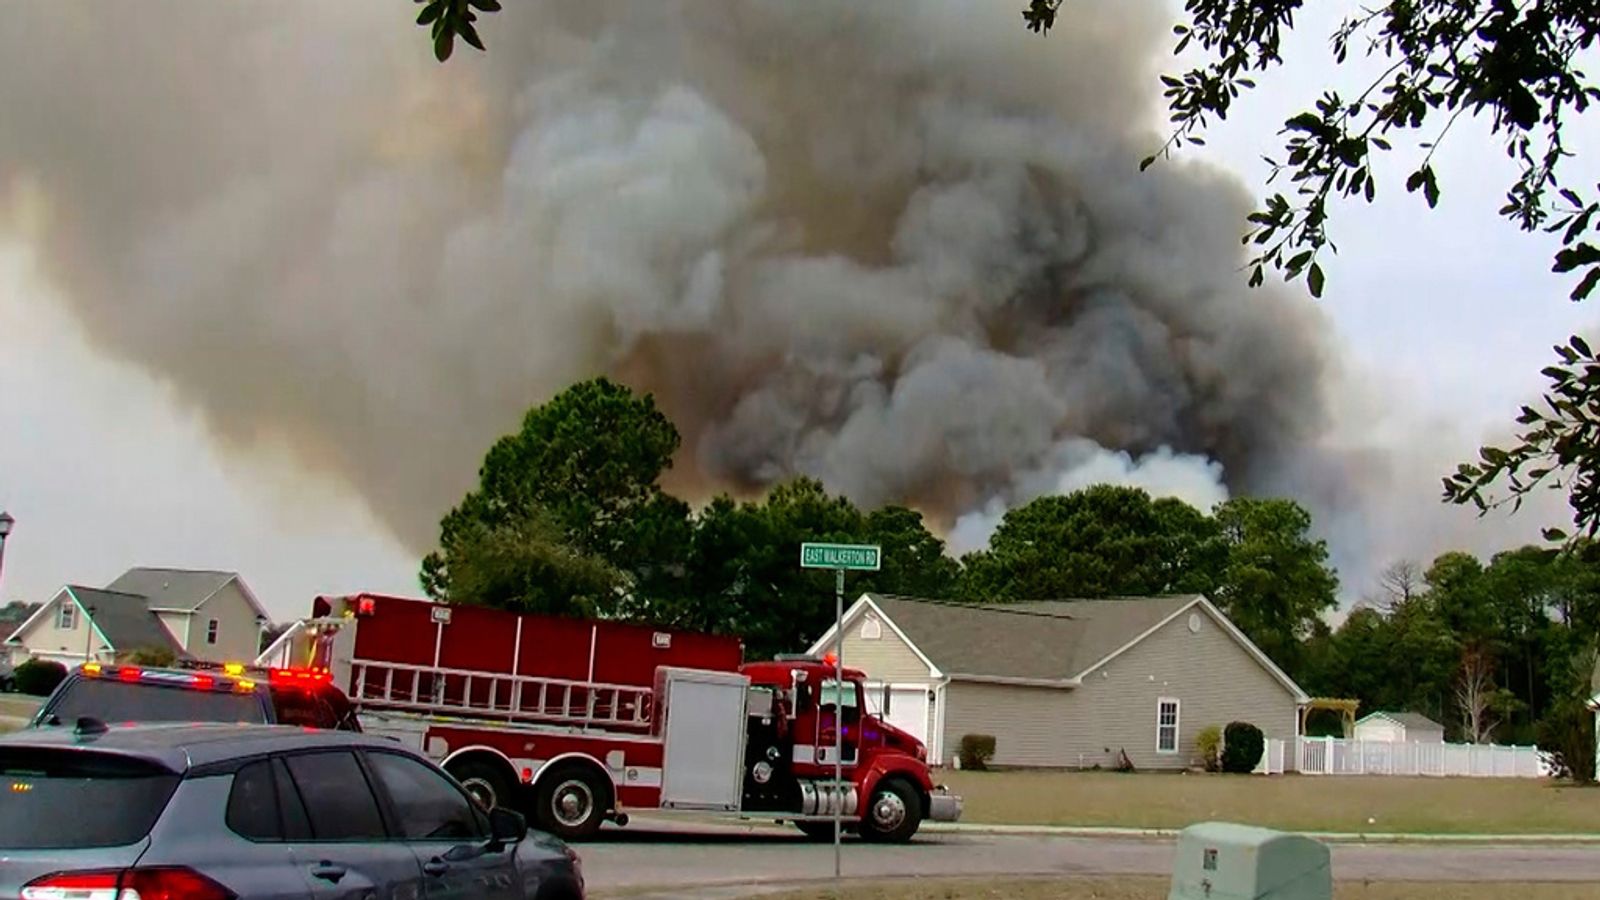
[569, 518]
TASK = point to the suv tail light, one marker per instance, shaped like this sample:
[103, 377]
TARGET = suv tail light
[155, 883]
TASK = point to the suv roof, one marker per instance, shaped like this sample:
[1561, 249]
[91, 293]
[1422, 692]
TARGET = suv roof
[179, 746]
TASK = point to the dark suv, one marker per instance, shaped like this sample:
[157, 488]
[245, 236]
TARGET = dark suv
[253, 812]
[145, 694]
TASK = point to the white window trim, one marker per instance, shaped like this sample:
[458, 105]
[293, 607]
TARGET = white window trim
[1177, 725]
[67, 611]
[213, 631]
[871, 628]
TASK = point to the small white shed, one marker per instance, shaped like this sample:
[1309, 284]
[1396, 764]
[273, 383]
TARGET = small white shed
[1399, 727]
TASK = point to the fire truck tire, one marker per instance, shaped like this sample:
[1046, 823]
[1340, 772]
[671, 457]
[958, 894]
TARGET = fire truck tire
[488, 783]
[571, 801]
[894, 814]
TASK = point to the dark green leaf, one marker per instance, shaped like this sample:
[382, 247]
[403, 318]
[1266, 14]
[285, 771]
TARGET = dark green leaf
[443, 44]
[1554, 535]
[1587, 285]
[1315, 280]
[429, 12]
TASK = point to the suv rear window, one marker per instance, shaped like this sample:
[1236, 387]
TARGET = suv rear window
[48, 795]
[125, 701]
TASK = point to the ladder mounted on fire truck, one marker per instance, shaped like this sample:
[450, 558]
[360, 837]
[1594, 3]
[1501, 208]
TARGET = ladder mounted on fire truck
[385, 686]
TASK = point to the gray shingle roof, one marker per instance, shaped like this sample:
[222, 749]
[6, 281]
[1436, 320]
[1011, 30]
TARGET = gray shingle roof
[124, 619]
[171, 588]
[1054, 640]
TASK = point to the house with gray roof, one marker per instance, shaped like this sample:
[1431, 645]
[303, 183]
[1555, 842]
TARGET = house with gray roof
[201, 614]
[1399, 727]
[1064, 684]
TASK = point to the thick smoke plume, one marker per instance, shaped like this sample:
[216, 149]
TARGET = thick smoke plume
[900, 246]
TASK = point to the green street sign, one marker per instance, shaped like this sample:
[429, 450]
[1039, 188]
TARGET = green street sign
[863, 557]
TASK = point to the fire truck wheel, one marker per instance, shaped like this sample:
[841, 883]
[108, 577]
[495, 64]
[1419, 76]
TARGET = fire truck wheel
[488, 784]
[894, 814]
[571, 801]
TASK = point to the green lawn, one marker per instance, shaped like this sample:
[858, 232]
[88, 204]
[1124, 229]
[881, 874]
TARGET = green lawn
[1290, 802]
[1156, 889]
[19, 706]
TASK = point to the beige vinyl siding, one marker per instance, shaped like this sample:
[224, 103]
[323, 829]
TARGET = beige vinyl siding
[178, 623]
[237, 634]
[885, 659]
[45, 638]
[1214, 678]
[1032, 726]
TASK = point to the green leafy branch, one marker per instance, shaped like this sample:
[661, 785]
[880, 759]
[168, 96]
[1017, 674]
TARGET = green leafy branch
[450, 19]
[1562, 437]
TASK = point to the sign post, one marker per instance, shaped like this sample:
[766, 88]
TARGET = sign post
[839, 558]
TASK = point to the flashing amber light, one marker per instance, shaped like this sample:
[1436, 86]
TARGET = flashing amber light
[233, 669]
[244, 685]
[91, 669]
[129, 673]
[20, 787]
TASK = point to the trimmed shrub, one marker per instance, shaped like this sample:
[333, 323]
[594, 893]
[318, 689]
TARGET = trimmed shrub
[1209, 743]
[1242, 746]
[39, 677]
[976, 751]
[160, 657]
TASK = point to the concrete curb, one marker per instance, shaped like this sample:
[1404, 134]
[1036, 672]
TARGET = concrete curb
[1334, 837]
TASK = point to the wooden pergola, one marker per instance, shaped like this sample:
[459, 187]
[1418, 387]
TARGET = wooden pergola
[1345, 708]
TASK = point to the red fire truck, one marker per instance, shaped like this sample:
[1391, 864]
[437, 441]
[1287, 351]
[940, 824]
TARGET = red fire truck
[575, 722]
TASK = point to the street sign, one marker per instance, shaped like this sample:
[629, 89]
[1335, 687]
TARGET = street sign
[860, 557]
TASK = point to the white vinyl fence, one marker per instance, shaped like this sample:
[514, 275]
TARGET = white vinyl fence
[1336, 756]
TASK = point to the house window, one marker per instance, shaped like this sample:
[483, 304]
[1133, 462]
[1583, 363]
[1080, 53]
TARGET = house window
[1166, 725]
[67, 617]
[871, 629]
[211, 631]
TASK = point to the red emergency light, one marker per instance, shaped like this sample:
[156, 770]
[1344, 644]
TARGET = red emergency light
[305, 677]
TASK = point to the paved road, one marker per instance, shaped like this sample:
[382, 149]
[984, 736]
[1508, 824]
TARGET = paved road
[667, 857]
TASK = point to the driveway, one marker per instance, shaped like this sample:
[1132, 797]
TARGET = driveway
[671, 857]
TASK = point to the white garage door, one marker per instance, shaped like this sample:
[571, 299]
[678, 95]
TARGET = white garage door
[908, 707]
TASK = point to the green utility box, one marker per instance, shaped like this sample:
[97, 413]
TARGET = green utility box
[1222, 861]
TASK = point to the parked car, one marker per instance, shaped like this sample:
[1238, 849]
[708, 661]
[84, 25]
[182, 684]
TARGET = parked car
[255, 812]
[148, 694]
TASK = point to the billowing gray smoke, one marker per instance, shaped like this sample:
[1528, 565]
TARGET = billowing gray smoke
[900, 246]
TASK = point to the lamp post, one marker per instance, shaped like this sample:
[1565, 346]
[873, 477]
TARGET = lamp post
[6, 521]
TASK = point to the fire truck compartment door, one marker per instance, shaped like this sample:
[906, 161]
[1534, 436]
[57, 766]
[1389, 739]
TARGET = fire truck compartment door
[705, 735]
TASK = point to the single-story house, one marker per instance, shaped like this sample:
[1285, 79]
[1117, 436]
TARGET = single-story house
[1065, 684]
[1399, 727]
[200, 614]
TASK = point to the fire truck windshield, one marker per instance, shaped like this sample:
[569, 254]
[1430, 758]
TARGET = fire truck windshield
[828, 694]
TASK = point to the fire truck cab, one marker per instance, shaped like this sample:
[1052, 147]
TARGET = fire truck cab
[577, 722]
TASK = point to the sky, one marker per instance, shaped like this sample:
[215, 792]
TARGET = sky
[1448, 314]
